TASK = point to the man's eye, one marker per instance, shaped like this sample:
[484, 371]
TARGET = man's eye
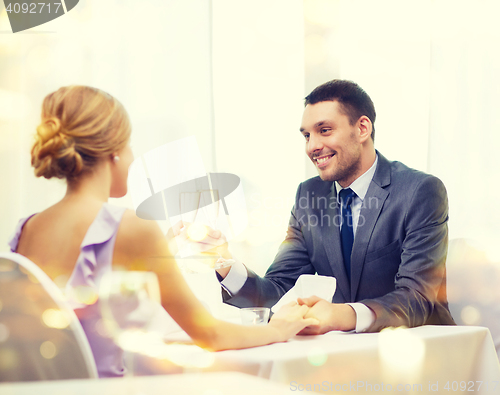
[325, 130]
[306, 136]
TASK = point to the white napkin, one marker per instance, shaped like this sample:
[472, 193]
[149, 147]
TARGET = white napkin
[308, 285]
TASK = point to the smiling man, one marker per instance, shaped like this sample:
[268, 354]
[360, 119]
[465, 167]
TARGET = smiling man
[378, 227]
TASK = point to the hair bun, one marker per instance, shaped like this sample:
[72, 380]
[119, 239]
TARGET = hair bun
[48, 129]
[54, 153]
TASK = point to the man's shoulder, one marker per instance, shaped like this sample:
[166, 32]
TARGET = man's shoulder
[399, 171]
[401, 174]
[411, 185]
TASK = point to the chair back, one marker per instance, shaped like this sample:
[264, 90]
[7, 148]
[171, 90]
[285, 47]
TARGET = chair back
[40, 335]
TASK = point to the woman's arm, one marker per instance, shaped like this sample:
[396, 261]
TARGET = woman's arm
[141, 245]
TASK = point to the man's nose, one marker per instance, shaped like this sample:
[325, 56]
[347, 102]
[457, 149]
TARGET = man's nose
[314, 144]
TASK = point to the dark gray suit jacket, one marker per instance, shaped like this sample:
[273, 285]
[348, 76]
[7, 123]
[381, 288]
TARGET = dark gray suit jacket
[398, 257]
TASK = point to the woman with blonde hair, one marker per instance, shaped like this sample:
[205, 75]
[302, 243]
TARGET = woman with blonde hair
[84, 138]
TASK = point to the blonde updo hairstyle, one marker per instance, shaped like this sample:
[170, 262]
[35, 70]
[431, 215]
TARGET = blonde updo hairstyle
[80, 126]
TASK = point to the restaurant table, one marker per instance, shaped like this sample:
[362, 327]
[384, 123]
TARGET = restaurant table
[222, 383]
[427, 359]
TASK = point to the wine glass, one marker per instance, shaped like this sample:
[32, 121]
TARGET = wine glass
[189, 204]
[209, 207]
[199, 209]
[129, 301]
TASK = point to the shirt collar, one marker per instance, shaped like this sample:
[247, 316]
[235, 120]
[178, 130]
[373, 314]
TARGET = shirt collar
[360, 185]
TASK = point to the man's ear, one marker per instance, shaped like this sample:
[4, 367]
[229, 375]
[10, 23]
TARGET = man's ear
[365, 128]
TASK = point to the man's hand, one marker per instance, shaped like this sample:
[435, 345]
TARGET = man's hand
[290, 319]
[331, 316]
[202, 240]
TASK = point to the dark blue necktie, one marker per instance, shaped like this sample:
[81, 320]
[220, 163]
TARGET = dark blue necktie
[346, 230]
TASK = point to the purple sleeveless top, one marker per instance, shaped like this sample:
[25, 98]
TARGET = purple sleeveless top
[95, 259]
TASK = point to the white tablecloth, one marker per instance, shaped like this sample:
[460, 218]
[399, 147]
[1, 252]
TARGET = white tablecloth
[228, 383]
[424, 360]
[429, 359]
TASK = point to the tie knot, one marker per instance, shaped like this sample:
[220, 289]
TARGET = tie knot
[346, 196]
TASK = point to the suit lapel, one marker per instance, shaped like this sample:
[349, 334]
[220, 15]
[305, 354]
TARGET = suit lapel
[333, 248]
[370, 211]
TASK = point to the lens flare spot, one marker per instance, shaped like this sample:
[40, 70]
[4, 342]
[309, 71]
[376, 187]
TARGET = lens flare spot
[9, 359]
[48, 350]
[85, 295]
[401, 351]
[153, 345]
[54, 318]
[197, 232]
[188, 356]
[102, 327]
[316, 356]
[470, 315]
[4, 333]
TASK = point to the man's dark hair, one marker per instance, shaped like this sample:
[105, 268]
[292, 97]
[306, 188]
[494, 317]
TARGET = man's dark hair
[353, 100]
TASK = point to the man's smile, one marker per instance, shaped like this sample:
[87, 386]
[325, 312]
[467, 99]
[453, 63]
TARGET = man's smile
[322, 161]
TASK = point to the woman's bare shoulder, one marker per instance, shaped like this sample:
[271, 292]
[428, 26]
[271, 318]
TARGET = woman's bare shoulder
[139, 238]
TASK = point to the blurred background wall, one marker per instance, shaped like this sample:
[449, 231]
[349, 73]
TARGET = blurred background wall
[234, 73]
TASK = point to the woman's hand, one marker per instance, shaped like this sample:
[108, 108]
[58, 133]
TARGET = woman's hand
[289, 320]
[202, 240]
[174, 237]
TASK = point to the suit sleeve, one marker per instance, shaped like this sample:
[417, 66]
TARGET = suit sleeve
[291, 261]
[419, 296]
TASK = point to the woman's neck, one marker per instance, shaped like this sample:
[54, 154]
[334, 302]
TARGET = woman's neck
[92, 186]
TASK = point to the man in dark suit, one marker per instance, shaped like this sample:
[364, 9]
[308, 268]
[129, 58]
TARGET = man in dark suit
[378, 227]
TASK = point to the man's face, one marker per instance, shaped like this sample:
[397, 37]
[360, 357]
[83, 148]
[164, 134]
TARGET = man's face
[332, 144]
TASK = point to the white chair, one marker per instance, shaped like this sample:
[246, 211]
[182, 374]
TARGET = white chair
[40, 335]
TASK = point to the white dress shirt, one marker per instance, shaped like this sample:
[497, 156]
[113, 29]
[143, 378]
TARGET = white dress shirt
[237, 276]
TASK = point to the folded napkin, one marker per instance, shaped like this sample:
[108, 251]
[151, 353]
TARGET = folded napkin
[308, 285]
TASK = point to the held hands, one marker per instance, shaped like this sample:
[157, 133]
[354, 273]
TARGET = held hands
[291, 319]
[330, 316]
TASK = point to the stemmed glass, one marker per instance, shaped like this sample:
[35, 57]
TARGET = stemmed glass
[198, 209]
[129, 300]
[201, 207]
